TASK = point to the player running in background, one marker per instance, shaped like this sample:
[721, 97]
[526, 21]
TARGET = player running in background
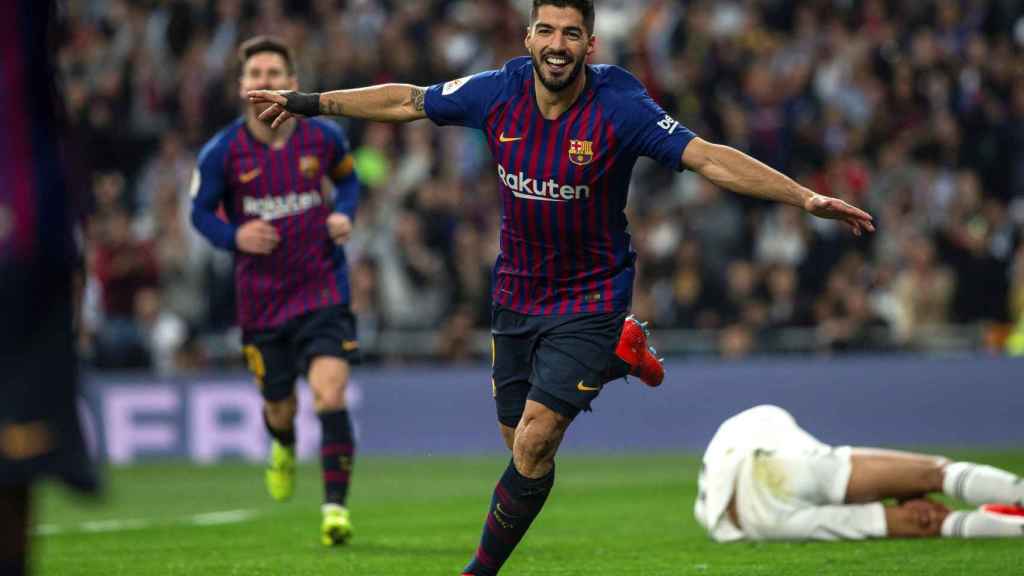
[40, 434]
[565, 136]
[765, 478]
[291, 281]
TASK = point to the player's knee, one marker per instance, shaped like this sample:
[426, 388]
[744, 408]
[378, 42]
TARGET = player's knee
[329, 396]
[532, 448]
[281, 412]
[536, 440]
[328, 377]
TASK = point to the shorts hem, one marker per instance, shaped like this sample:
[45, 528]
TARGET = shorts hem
[556, 404]
[837, 491]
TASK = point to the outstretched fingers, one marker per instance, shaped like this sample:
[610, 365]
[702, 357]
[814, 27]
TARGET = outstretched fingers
[856, 219]
[266, 97]
[281, 118]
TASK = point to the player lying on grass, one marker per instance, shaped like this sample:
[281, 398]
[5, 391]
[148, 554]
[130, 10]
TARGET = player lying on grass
[765, 478]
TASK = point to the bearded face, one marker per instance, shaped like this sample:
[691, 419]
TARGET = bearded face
[559, 45]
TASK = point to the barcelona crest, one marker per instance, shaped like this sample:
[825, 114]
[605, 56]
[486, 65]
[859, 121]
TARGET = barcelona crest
[581, 152]
[309, 166]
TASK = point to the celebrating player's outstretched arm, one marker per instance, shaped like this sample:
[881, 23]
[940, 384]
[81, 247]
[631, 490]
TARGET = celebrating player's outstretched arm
[723, 165]
[381, 103]
[733, 170]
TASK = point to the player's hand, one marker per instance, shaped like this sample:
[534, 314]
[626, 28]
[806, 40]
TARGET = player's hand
[275, 114]
[928, 513]
[339, 227]
[257, 237]
[857, 220]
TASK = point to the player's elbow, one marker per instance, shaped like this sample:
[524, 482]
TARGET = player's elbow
[704, 158]
[201, 219]
[411, 105]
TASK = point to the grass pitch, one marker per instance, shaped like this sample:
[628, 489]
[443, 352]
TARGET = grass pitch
[608, 515]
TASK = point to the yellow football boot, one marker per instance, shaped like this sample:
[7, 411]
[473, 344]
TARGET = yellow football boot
[336, 528]
[281, 472]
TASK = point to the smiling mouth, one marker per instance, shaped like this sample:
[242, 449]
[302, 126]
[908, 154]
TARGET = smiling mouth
[557, 63]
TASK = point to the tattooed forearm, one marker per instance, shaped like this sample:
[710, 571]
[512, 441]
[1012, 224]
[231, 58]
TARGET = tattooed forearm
[331, 107]
[380, 103]
[417, 95]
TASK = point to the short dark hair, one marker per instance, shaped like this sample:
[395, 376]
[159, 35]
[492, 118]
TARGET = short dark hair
[585, 7]
[259, 44]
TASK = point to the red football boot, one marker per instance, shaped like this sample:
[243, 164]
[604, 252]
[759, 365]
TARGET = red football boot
[633, 350]
[1004, 510]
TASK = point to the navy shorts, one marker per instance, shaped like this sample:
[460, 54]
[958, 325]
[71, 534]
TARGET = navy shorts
[560, 361]
[40, 431]
[277, 356]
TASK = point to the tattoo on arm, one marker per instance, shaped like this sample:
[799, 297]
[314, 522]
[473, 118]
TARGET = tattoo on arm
[417, 95]
[331, 108]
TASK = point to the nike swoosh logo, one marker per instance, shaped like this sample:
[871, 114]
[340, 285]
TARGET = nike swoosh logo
[503, 139]
[246, 177]
[584, 388]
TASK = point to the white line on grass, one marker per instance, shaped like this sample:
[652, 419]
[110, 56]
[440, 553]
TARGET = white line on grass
[125, 524]
[225, 517]
[114, 525]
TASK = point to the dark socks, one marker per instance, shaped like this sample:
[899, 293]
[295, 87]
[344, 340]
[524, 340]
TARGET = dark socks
[517, 500]
[337, 451]
[285, 438]
[14, 526]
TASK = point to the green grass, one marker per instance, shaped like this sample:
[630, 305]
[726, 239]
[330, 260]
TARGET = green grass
[608, 515]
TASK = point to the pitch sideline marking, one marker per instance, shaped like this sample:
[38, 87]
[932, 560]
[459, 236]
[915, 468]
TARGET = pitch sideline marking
[122, 525]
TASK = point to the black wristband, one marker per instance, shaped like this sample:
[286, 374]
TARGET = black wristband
[303, 103]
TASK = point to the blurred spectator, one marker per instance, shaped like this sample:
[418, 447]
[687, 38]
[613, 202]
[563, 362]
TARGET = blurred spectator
[455, 339]
[784, 307]
[977, 242]
[163, 334]
[694, 293]
[414, 287]
[124, 267]
[924, 289]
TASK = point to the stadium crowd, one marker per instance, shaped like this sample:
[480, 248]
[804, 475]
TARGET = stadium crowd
[913, 110]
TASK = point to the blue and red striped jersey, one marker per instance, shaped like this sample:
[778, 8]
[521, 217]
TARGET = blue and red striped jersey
[565, 248]
[35, 203]
[290, 188]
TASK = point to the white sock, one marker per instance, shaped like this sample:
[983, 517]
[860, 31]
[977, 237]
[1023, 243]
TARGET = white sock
[976, 524]
[979, 484]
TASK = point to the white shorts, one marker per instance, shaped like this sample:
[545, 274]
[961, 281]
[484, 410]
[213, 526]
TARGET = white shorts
[796, 489]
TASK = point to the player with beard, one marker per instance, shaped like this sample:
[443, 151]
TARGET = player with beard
[565, 136]
[275, 186]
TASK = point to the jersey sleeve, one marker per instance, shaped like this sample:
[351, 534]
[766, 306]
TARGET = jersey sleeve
[208, 187]
[342, 171]
[650, 130]
[463, 102]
